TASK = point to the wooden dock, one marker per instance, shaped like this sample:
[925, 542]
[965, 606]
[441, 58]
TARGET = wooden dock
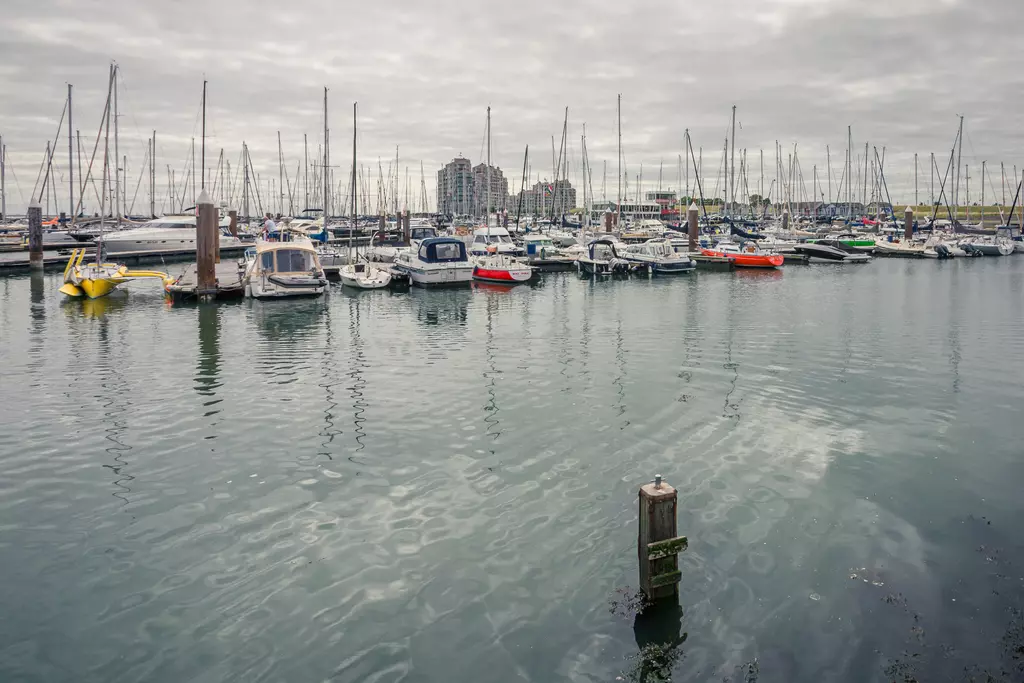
[229, 283]
[14, 265]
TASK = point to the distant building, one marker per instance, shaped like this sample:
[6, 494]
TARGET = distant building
[455, 188]
[498, 194]
[547, 198]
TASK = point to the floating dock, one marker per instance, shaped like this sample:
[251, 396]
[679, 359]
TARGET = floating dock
[16, 264]
[229, 283]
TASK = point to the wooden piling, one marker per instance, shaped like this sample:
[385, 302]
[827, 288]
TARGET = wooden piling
[233, 227]
[692, 217]
[657, 543]
[35, 236]
[908, 224]
[406, 227]
[785, 220]
[206, 246]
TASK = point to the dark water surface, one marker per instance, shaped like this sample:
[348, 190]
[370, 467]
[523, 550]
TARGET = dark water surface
[441, 486]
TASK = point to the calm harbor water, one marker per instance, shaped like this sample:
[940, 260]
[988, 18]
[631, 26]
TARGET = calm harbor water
[441, 485]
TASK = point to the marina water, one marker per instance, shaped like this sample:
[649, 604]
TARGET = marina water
[441, 485]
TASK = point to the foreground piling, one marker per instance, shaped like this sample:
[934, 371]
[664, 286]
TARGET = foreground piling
[692, 215]
[206, 246]
[657, 543]
[35, 236]
[908, 224]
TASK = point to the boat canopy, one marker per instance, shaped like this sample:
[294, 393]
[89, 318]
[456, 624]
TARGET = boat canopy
[442, 249]
[602, 242]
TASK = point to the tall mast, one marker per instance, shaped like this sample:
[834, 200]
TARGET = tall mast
[117, 155]
[865, 189]
[618, 200]
[327, 155]
[192, 173]
[202, 144]
[71, 160]
[732, 161]
[849, 171]
[280, 175]
[352, 227]
[916, 203]
[152, 176]
[106, 170]
[305, 169]
[960, 139]
[686, 148]
[487, 191]
[983, 193]
[245, 181]
[761, 180]
[3, 180]
[931, 172]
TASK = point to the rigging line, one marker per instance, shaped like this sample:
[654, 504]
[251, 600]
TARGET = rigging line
[47, 159]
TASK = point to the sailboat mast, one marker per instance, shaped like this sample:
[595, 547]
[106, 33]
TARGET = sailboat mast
[280, 175]
[71, 160]
[117, 155]
[983, 193]
[152, 176]
[3, 180]
[324, 178]
[487, 190]
[849, 171]
[354, 167]
[732, 162]
[202, 145]
[106, 170]
[618, 200]
[305, 169]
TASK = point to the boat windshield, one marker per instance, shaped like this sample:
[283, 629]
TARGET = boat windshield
[169, 224]
[423, 233]
[294, 261]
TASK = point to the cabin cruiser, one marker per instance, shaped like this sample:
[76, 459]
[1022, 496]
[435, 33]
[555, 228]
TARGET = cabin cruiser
[660, 256]
[831, 251]
[493, 235]
[437, 261]
[283, 269]
[602, 258]
[164, 234]
[385, 246]
[501, 268]
[541, 252]
[642, 230]
[363, 275]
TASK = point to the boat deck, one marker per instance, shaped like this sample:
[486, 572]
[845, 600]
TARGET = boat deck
[17, 263]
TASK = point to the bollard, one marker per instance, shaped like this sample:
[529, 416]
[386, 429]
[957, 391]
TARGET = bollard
[233, 226]
[908, 224]
[382, 222]
[206, 245]
[35, 236]
[406, 228]
[692, 215]
[785, 220]
[657, 543]
[608, 217]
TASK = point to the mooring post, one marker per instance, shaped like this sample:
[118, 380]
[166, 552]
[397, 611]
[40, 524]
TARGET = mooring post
[381, 222]
[35, 236]
[785, 220]
[206, 245]
[657, 543]
[692, 217]
[233, 226]
[908, 224]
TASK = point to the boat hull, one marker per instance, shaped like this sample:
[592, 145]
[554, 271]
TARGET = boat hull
[748, 260]
[502, 275]
[440, 276]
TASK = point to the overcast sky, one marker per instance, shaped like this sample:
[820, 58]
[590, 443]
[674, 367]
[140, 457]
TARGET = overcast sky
[799, 71]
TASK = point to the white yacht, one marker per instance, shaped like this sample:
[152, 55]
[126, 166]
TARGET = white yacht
[283, 269]
[164, 234]
[437, 261]
[499, 237]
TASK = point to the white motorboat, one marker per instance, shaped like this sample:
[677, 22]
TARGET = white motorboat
[438, 261]
[493, 235]
[602, 258]
[363, 275]
[165, 234]
[502, 269]
[284, 269]
[660, 256]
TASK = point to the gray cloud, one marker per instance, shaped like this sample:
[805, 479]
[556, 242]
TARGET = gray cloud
[799, 71]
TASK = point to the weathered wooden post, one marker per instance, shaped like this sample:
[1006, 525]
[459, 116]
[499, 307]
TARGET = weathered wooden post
[785, 220]
[206, 245]
[609, 217]
[35, 236]
[657, 543]
[692, 217]
[382, 222]
[406, 227]
[908, 224]
[233, 226]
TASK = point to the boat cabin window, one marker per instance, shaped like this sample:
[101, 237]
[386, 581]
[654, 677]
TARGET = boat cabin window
[169, 224]
[423, 233]
[267, 261]
[294, 261]
[448, 252]
[479, 239]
